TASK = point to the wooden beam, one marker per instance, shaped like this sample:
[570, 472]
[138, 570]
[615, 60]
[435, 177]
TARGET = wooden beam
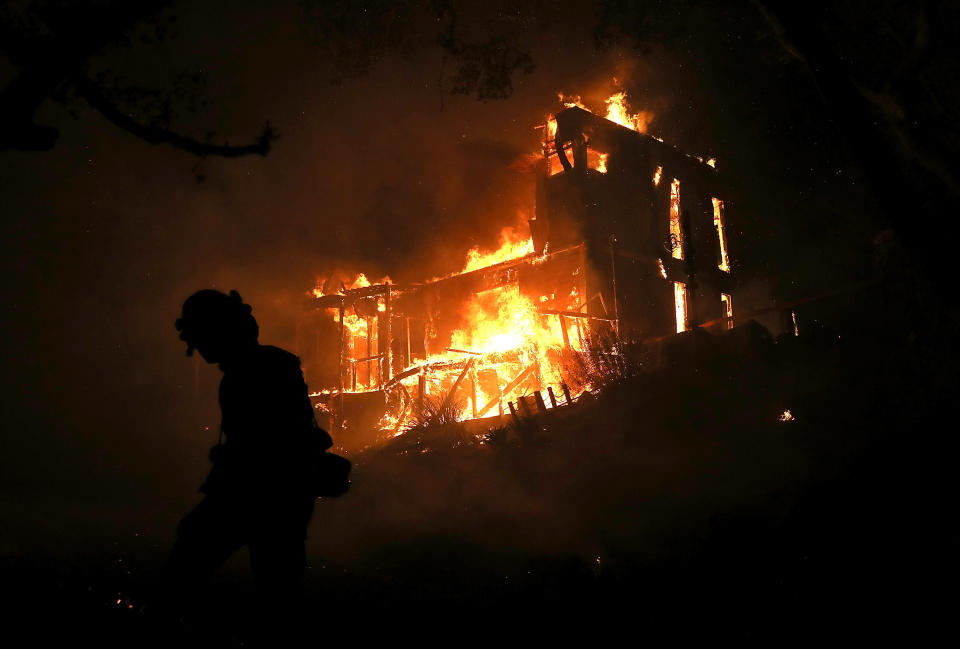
[603, 304]
[422, 387]
[462, 351]
[407, 400]
[563, 329]
[366, 351]
[340, 371]
[388, 350]
[402, 375]
[456, 384]
[596, 296]
[553, 398]
[427, 323]
[574, 314]
[613, 282]
[509, 388]
[365, 358]
[409, 354]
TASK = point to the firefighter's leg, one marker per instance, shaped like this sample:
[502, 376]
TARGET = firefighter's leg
[277, 548]
[206, 537]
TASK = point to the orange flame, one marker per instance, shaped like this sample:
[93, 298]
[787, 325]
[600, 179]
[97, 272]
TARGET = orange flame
[718, 223]
[676, 229]
[619, 113]
[513, 245]
[571, 101]
[502, 331]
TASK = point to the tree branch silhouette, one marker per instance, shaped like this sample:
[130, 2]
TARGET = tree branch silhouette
[93, 95]
[52, 41]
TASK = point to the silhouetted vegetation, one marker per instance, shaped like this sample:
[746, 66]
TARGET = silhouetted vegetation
[607, 359]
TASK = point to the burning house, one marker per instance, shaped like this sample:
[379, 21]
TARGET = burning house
[629, 239]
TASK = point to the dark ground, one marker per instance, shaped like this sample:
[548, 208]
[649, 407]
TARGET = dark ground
[672, 505]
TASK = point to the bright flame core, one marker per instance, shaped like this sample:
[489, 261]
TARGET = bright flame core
[676, 230]
[502, 331]
[727, 309]
[619, 113]
[513, 245]
[718, 223]
[680, 303]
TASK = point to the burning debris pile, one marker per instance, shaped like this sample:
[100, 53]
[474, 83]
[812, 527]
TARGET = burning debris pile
[616, 251]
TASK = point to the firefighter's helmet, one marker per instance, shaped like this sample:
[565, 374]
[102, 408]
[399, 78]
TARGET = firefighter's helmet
[209, 313]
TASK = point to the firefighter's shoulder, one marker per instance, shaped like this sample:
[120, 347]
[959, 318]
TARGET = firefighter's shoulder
[278, 359]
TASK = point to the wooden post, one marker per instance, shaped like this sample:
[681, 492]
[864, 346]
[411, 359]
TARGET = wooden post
[353, 375]
[513, 412]
[427, 322]
[340, 372]
[566, 393]
[421, 389]
[538, 397]
[613, 281]
[456, 384]
[409, 354]
[553, 399]
[524, 406]
[603, 304]
[388, 350]
[406, 407]
[563, 329]
[366, 353]
[473, 389]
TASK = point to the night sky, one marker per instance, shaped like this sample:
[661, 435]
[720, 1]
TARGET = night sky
[107, 424]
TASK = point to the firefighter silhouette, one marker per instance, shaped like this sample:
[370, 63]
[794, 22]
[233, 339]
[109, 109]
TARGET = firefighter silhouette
[256, 493]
